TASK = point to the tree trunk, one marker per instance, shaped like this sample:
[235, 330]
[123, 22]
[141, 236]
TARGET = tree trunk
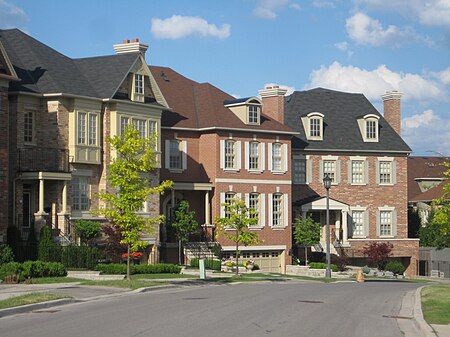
[306, 256]
[128, 262]
[237, 255]
[179, 252]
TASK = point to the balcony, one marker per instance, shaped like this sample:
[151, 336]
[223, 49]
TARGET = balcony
[43, 160]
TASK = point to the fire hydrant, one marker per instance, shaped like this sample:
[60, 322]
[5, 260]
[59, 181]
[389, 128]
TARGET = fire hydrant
[359, 276]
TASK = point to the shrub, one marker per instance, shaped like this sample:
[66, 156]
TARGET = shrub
[366, 270]
[116, 269]
[209, 264]
[341, 261]
[322, 265]
[80, 257]
[378, 253]
[6, 254]
[395, 266]
[47, 250]
[87, 230]
[317, 257]
[33, 269]
[11, 268]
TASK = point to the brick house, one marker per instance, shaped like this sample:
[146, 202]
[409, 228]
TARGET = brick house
[216, 147]
[61, 112]
[343, 135]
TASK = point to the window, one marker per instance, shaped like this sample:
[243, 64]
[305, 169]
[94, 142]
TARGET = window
[81, 128]
[276, 157]
[253, 202]
[385, 172]
[385, 223]
[174, 155]
[28, 127]
[152, 128]
[315, 127]
[299, 168]
[253, 114]
[140, 125]
[276, 210]
[358, 223]
[139, 87]
[92, 129]
[80, 193]
[229, 198]
[371, 129]
[329, 168]
[230, 155]
[253, 158]
[357, 172]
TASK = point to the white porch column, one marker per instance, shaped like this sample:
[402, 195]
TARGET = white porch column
[345, 228]
[41, 198]
[64, 197]
[207, 208]
[338, 225]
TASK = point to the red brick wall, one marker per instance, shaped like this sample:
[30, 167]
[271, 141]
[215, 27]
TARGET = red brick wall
[392, 113]
[4, 163]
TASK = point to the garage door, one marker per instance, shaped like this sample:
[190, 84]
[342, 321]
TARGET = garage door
[268, 261]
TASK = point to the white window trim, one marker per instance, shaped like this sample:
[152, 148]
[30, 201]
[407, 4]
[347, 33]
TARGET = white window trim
[284, 211]
[365, 171]
[261, 157]
[258, 114]
[84, 174]
[183, 152]
[135, 96]
[237, 154]
[33, 127]
[307, 125]
[362, 123]
[393, 171]
[284, 158]
[261, 210]
[393, 221]
[365, 223]
[88, 115]
[337, 169]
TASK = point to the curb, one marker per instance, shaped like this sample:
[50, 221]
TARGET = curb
[418, 320]
[37, 306]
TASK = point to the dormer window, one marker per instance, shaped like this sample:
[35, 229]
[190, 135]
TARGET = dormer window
[138, 88]
[253, 114]
[368, 126]
[248, 109]
[313, 125]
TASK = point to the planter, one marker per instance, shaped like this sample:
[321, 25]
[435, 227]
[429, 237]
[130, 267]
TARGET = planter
[249, 267]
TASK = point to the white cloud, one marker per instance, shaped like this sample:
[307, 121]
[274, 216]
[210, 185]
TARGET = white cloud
[267, 9]
[289, 89]
[443, 76]
[178, 27]
[367, 31]
[341, 45]
[430, 12]
[295, 6]
[323, 4]
[427, 132]
[375, 82]
[12, 16]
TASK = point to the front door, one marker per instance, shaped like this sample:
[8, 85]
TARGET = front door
[27, 209]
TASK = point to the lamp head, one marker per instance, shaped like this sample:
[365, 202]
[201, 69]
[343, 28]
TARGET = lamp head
[327, 181]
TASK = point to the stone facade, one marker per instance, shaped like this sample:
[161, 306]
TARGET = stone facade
[4, 163]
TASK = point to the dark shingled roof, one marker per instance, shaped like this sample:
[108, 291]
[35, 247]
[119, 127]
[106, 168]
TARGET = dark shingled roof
[44, 70]
[201, 105]
[236, 100]
[425, 168]
[341, 132]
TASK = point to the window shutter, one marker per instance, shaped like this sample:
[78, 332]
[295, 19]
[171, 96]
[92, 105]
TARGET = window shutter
[308, 171]
[262, 210]
[394, 172]
[286, 210]
[167, 157]
[183, 155]
[366, 172]
[378, 223]
[262, 153]
[246, 145]
[239, 196]
[394, 223]
[349, 175]
[238, 155]
[270, 157]
[247, 199]
[222, 154]
[366, 223]
[222, 208]
[378, 172]
[285, 158]
[321, 171]
[338, 171]
[270, 201]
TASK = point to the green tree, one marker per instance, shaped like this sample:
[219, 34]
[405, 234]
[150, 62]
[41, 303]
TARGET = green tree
[184, 225]
[87, 230]
[236, 223]
[306, 233]
[129, 187]
[48, 251]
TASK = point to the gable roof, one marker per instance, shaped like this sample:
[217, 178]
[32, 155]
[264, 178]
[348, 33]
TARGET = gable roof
[425, 168]
[42, 69]
[6, 68]
[201, 105]
[340, 131]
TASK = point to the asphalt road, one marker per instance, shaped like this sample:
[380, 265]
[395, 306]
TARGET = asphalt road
[274, 309]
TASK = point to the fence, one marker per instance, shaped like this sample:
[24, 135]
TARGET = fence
[434, 262]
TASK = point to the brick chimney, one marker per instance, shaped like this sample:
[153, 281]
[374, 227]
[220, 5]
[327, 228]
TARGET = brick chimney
[273, 102]
[131, 47]
[392, 109]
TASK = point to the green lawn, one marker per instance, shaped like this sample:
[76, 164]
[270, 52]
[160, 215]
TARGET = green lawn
[132, 284]
[436, 304]
[29, 299]
[47, 280]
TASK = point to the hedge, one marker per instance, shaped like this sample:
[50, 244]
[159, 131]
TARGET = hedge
[209, 264]
[80, 257]
[395, 267]
[32, 269]
[321, 265]
[119, 269]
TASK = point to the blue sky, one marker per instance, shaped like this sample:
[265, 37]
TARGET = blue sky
[368, 46]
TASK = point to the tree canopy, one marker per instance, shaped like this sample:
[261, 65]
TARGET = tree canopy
[306, 233]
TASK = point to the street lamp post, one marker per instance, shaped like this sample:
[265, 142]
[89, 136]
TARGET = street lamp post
[327, 185]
